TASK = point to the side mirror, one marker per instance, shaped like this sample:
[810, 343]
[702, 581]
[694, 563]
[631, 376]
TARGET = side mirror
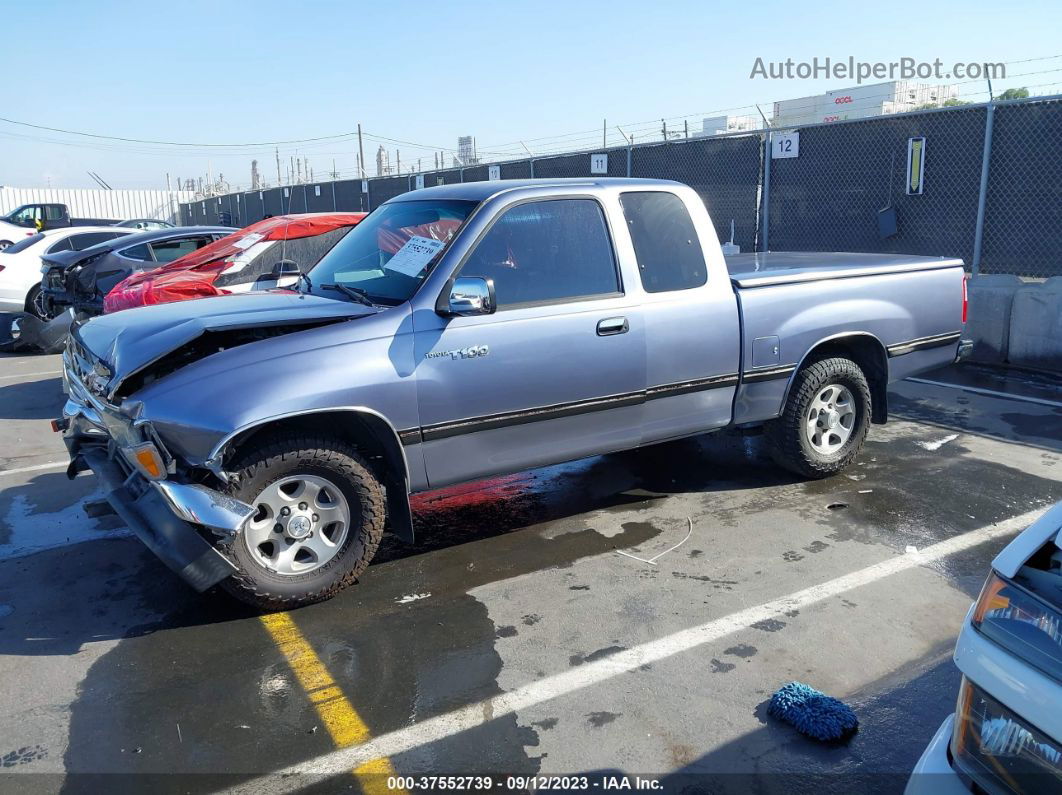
[286, 268]
[471, 295]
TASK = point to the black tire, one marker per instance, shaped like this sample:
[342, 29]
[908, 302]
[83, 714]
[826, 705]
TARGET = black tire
[787, 437]
[4, 244]
[31, 303]
[284, 455]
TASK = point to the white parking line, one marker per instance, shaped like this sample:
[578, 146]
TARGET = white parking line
[30, 375]
[35, 468]
[990, 392]
[543, 690]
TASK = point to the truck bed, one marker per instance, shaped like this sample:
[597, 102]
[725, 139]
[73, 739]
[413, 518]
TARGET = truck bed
[791, 302]
[792, 267]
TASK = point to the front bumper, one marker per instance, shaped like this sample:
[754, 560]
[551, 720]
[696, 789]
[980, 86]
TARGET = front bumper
[174, 541]
[934, 775]
[164, 514]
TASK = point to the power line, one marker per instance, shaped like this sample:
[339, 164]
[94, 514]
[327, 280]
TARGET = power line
[339, 136]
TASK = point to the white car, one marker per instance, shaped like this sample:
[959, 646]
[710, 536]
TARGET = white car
[20, 264]
[1006, 733]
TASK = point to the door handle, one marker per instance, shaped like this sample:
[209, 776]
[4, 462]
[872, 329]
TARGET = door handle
[612, 325]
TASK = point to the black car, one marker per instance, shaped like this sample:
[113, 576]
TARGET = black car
[80, 279]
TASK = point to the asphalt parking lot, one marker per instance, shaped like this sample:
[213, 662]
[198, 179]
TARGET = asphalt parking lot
[515, 638]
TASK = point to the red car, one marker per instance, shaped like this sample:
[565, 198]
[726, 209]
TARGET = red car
[241, 262]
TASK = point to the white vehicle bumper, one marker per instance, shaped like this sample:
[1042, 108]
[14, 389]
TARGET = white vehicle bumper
[934, 775]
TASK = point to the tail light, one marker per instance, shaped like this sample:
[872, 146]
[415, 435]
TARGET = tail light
[965, 296]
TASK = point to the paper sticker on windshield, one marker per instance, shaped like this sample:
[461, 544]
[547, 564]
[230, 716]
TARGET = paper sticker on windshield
[248, 240]
[414, 255]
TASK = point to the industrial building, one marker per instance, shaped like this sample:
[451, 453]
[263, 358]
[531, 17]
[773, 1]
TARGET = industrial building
[860, 102]
[717, 125]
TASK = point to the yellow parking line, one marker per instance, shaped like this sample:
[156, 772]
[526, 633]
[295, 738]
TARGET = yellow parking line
[337, 713]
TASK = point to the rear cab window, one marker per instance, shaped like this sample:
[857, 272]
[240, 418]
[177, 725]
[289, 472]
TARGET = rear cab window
[665, 241]
[548, 251]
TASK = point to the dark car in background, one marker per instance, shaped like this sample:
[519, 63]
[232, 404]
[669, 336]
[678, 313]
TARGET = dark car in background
[145, 224]
[80, 279]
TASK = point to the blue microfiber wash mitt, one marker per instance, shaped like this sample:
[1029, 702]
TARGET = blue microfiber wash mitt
[813, 713]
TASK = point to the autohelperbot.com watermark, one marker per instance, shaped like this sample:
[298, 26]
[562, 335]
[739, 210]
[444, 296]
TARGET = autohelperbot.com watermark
[852, 69]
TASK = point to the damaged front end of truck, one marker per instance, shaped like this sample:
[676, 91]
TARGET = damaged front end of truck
[179, 509]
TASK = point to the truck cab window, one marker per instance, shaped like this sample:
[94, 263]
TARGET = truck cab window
[547, 251]
[26, 216]
[53, 212]
[665, 241]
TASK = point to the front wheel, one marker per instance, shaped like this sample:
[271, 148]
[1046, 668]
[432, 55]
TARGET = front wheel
[36, 304]
[4, 244]
[825, 420]
[319, 518]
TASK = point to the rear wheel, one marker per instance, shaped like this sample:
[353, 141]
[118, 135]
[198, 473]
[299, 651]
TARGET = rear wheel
[4, 244]
[319, 518]
[825, 420]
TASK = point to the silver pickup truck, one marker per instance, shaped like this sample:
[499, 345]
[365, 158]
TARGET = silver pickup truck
[266, 440]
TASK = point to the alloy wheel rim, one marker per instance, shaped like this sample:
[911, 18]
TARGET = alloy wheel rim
[830, 419]
[300, 524]
[38, 305]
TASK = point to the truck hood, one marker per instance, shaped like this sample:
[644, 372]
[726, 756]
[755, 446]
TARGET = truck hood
[1015, 554]
[123, 344]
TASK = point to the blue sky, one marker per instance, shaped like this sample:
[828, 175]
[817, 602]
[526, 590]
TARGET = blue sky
[426, 72]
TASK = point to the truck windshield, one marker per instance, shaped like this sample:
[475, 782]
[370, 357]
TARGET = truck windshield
[390, 253]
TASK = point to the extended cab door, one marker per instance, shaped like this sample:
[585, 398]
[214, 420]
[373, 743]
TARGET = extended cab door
[55, 216]
[557, 373]
[692, 328]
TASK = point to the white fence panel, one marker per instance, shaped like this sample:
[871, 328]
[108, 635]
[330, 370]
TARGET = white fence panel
[89, 203]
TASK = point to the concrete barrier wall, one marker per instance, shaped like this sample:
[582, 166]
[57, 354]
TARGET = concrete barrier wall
[1015, 322]
[1036, 326]
[988, 322]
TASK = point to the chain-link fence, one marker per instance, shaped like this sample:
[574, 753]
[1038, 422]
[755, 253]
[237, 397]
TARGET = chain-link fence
[992, 186]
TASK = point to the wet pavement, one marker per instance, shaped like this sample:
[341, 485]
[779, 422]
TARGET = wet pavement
[118, 676]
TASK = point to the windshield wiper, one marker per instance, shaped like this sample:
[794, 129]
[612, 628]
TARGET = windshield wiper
[356, 293]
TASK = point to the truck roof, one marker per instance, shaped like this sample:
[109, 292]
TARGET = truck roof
[762, 269]
[478, 191]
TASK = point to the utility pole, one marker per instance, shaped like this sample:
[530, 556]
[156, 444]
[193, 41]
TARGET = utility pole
[291, 168]
[398, 162]
[686, 125]
[167, 180]
[361, 153]
[279, 180]
[663, 126]
[604, 134]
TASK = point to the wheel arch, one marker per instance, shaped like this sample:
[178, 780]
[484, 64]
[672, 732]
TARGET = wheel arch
[368, 430]
[867, 351]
